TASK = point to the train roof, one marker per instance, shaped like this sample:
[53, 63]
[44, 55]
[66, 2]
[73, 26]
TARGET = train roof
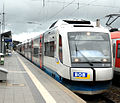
[75, 23]
[115, 35]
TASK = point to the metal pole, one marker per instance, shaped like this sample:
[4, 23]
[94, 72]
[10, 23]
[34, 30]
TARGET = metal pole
[0, 38]
[0, 35]
[3, 21]
[0, 23]
[43, 3]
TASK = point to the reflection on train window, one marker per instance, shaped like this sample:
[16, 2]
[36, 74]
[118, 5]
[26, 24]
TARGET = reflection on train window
[118, 53]
[35, 52]
[114, 50]
[49, 49]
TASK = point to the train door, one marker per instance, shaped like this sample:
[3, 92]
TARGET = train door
[36, 51]
[41, 53]
[117, 58]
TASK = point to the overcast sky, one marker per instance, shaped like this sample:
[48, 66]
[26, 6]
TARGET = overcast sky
[19, 12]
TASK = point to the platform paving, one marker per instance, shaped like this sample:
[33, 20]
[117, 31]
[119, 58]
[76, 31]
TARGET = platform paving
[26, 83]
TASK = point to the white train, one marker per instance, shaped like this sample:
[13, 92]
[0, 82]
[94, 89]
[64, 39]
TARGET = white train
[77, 53]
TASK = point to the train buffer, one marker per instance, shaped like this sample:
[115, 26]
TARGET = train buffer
[26, 83]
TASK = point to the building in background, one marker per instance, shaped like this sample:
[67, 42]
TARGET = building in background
[6, 42]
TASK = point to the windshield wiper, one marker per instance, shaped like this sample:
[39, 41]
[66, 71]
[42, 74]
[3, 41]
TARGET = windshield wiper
[76, 49]
[83, 56]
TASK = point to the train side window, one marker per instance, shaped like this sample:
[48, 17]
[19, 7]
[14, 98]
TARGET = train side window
[118, 52]
[20, 49]
[60, 49]
[30, 46]
[52, 49]
[114, 50]
[35, 52]
[46, 49]
[49, 49]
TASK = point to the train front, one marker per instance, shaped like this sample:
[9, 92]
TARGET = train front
[91, 62]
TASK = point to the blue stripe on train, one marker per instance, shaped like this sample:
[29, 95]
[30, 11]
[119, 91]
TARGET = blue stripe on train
[77, 85]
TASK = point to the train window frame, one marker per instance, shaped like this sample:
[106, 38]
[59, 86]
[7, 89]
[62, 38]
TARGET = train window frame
[49, 49]
[114, 50]
[35, 52]
[118, 50]
[46, 45]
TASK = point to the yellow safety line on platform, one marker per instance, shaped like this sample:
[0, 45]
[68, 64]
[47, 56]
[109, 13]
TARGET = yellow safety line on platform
[46, 95]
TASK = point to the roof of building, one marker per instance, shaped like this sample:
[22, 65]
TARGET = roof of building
[6, 34]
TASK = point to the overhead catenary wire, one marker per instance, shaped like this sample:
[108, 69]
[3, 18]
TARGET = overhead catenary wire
[60, 10]
[91, 4]
[78, 4]
[75, 3]
[84, 4]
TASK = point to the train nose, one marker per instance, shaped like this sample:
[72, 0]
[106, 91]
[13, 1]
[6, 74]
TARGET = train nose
[81, 74]
[103, 74]
[94, 74]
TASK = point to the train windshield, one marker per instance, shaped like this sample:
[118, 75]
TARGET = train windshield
[89, 47]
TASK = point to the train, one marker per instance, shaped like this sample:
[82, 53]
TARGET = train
[115, 36]
[77, 53]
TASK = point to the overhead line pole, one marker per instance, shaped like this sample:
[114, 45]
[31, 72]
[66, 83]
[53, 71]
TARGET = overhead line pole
[3, 18]
[0, 23]
[43, 3]
[3, 21]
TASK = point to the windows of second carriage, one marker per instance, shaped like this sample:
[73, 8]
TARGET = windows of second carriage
[114, 45]
[49, 49]
[118, 52]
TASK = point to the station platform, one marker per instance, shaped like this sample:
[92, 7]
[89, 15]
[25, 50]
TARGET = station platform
[26, 83]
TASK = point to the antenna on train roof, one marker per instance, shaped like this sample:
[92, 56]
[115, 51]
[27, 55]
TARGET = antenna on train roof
[98, 23]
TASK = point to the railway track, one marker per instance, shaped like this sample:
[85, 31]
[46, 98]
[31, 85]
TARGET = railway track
[111, 96]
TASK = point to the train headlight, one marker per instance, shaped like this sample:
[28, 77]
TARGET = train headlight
[77, 60]
[88, 33]
[104, 60]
